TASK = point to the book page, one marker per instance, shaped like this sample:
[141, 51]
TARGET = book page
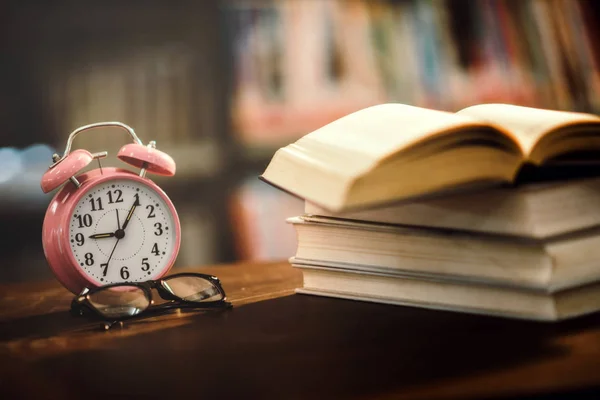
[528, 124]
[384, 129]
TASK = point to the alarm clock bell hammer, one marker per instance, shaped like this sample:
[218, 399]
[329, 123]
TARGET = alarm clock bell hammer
[135, 154]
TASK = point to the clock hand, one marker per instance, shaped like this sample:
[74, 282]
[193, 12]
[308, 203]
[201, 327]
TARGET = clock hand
[102, 235]
[118, 232]
[109, 257]
[131, 210]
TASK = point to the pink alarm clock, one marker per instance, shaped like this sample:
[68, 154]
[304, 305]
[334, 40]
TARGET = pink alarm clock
[109, 225]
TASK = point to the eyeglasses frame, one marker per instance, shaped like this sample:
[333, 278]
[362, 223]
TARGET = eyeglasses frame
[81, 304]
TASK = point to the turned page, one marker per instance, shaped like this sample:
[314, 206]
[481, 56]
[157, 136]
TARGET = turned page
[528, 125]
[381, 130]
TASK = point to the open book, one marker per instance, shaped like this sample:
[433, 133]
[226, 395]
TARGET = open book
[390, 152]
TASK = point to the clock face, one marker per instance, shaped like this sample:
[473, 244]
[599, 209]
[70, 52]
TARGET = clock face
[122, 231]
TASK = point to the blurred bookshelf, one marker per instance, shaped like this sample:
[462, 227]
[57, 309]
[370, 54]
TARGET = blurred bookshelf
[299, 65]
[220, 85]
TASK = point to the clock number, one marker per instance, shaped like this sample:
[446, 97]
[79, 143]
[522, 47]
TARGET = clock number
[89, 259]
[145, 265]
[105, 266]
[124, 273]
[159, 229]
[155, 249]
[137, 199]
[79, 238]
[85, 220]
[151, 214]
[99, 202]
[118, 194]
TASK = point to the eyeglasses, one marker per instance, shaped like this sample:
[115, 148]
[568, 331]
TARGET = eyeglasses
[122, 301]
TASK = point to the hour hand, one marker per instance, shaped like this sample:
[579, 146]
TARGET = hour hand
[102, 235]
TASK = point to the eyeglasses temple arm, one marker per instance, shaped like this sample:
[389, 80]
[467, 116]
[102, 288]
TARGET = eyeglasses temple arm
[176, 304]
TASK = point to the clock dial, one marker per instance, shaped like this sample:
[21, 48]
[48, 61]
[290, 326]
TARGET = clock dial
[122, 231]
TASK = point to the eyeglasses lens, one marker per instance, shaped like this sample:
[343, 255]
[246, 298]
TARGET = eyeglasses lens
[193, 288]
[120, 301]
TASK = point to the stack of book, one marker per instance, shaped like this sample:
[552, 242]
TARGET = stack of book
[494, 209]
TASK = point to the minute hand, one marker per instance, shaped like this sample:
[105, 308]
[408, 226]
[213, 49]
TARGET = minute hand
[131, 210]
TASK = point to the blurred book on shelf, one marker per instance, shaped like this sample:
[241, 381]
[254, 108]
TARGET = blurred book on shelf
[199, 225]
[150, 90]
[301, 64]
[291, 69]
[257, 214]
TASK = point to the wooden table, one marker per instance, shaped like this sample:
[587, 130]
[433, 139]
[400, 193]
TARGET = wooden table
[277, 344]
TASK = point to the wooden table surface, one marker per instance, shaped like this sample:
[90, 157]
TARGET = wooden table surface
[277, 344]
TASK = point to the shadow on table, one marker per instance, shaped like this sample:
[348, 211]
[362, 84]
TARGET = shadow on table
[38, 326]
[63, 323]
[302, 347]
